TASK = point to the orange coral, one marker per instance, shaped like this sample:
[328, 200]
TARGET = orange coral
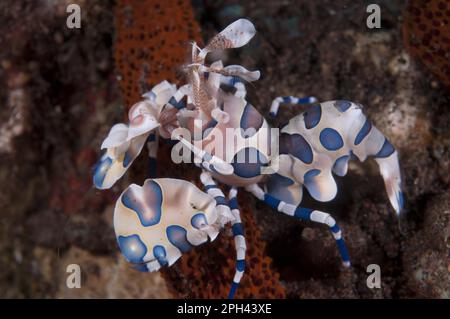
[426, 34]
[151, 43]
[152, 40]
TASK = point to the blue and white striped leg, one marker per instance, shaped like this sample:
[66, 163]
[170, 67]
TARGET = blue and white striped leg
[304, 214]
[229, 212]
[152, 146]
[224, 212]
[289, 100]
[239, 242]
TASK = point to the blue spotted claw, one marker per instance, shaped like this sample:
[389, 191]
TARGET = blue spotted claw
[157, 222]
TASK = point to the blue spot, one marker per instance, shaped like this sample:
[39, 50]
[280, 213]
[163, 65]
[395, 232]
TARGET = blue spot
[130, 201]
[247, 162]
[303, 213]
[212, 186]
[287, 100]
[179, 105]
[340, 166]
[160, 254]
[335, 228]
[297, 146]
[365, 129]
[220, 200]
[177, 236]
[148, 208]
[277, 187]
[251, 121]
[331, 139]
[271, 201]
[343, 250]
[240, 265]
[234, 80]
[310, 174]
[386, 150]
[100, 171]
[237, 229]
[127, 159]
[306, 100]
[233, 203]
[132, 248]
[234, 287]
[342, 105]
[198, 220]
[312, 116]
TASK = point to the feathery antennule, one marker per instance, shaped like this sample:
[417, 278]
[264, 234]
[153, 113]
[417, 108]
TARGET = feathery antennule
[200, 96]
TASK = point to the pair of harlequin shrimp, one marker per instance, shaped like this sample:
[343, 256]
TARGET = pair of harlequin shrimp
[159, 221]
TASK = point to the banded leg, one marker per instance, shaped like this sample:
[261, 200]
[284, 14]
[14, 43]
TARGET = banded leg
[289, 100]
[305, 214]
[213, 190]
[152, 146]
[239, 242]
[228, 211]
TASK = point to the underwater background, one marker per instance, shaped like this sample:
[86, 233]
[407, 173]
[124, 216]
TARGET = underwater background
[61, 90]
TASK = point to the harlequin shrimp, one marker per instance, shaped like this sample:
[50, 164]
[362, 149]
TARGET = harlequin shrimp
[166, 217]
